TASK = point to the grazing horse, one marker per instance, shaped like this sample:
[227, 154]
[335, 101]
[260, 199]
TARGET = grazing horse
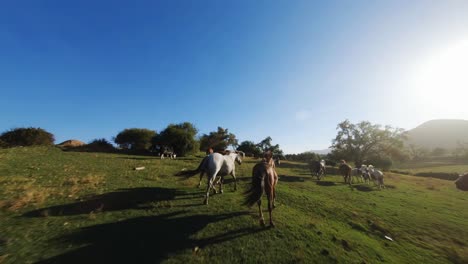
[377, 176]
[317, 168]
[264, 179]
[277, 161]
[462, 182]
[345, 170]
[169, 154]
[357, 173]
[365, 174]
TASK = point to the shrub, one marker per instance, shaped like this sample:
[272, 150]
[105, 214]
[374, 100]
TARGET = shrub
[135, 138]
[27, 137]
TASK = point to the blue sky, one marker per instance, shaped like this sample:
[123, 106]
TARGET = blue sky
[291, 70]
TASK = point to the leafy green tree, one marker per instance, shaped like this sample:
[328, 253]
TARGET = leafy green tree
[26, 137]
[135, 138]
[249, 148]
[358, 142]
[305, 156]
[265, 145]
[178, 137]
[218, 140]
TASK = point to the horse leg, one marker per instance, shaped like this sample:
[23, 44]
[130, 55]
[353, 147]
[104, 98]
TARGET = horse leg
[259, 203]
[220, 182]
[201, 177]
[235, 180]
[275, 181]
[209, 185]
[270, 203]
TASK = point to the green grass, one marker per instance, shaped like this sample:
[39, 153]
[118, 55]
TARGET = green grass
[66, 207]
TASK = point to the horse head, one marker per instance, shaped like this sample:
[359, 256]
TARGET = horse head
[238, 159]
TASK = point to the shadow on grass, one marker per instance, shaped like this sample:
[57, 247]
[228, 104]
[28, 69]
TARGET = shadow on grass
[325, 183]
[149, 239]
[137, 198]
[286, 178]
[371, 187]
[364, 188]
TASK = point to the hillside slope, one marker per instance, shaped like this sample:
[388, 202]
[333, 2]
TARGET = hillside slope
[74, 207]
[443, 133]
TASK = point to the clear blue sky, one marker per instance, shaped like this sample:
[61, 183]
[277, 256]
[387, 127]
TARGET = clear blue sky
[291, 70]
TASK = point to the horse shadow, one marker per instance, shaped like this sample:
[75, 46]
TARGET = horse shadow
[326, 183]
[370, 188]
[149, 239]
[122, 199]
[286, 178]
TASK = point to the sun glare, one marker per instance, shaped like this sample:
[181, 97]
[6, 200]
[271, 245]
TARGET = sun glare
[441, 82]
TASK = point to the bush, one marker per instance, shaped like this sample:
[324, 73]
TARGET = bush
[135, 138]
[96, 145]
[3, 144]
[179, 138]
[27, 137]
[384, 163]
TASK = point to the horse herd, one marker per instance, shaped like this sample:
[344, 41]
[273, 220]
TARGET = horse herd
[264, 177]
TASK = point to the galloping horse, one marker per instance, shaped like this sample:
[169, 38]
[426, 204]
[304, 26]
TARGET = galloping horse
[377, 175]
[345, 170]
[264, 178]
[216, 165]
[462, 182]
[317, 168]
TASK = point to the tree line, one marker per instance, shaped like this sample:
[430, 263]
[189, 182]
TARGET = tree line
[361, 143]
[179, 138]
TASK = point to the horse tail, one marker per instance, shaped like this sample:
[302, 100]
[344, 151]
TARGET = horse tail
[190, 173]
[254, 193]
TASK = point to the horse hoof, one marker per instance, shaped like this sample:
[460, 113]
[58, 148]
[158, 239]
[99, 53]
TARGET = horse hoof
[262, 222]
[272, 224]
[221, 191]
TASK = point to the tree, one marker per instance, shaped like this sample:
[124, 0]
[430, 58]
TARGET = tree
[265, 145]
[249, 148]
[438, 152]
[26, 137]
[358, 142]
[178, 137]
[218, 140]
[418, 153]
[135, 138]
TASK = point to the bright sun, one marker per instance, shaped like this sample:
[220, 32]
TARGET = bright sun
[441, 82]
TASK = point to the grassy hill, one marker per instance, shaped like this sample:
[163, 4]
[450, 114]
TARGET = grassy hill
[443, 133]
[65, 207]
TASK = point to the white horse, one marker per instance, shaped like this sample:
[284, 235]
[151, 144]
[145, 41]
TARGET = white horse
[377, 176]
[365, 173]
[218, 165]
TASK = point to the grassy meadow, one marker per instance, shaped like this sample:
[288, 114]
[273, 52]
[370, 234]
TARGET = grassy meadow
[71, 207]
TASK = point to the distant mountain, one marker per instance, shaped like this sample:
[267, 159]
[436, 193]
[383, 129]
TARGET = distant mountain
[442, 133]
[321, 152]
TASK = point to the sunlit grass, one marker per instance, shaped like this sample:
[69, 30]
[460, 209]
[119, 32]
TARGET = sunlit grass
[95, 208]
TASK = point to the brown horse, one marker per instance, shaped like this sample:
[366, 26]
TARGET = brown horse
[345, 170]
[264, 178]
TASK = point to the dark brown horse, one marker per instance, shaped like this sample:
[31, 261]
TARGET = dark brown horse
[462, 182]
[264, 179]
[345, 170]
